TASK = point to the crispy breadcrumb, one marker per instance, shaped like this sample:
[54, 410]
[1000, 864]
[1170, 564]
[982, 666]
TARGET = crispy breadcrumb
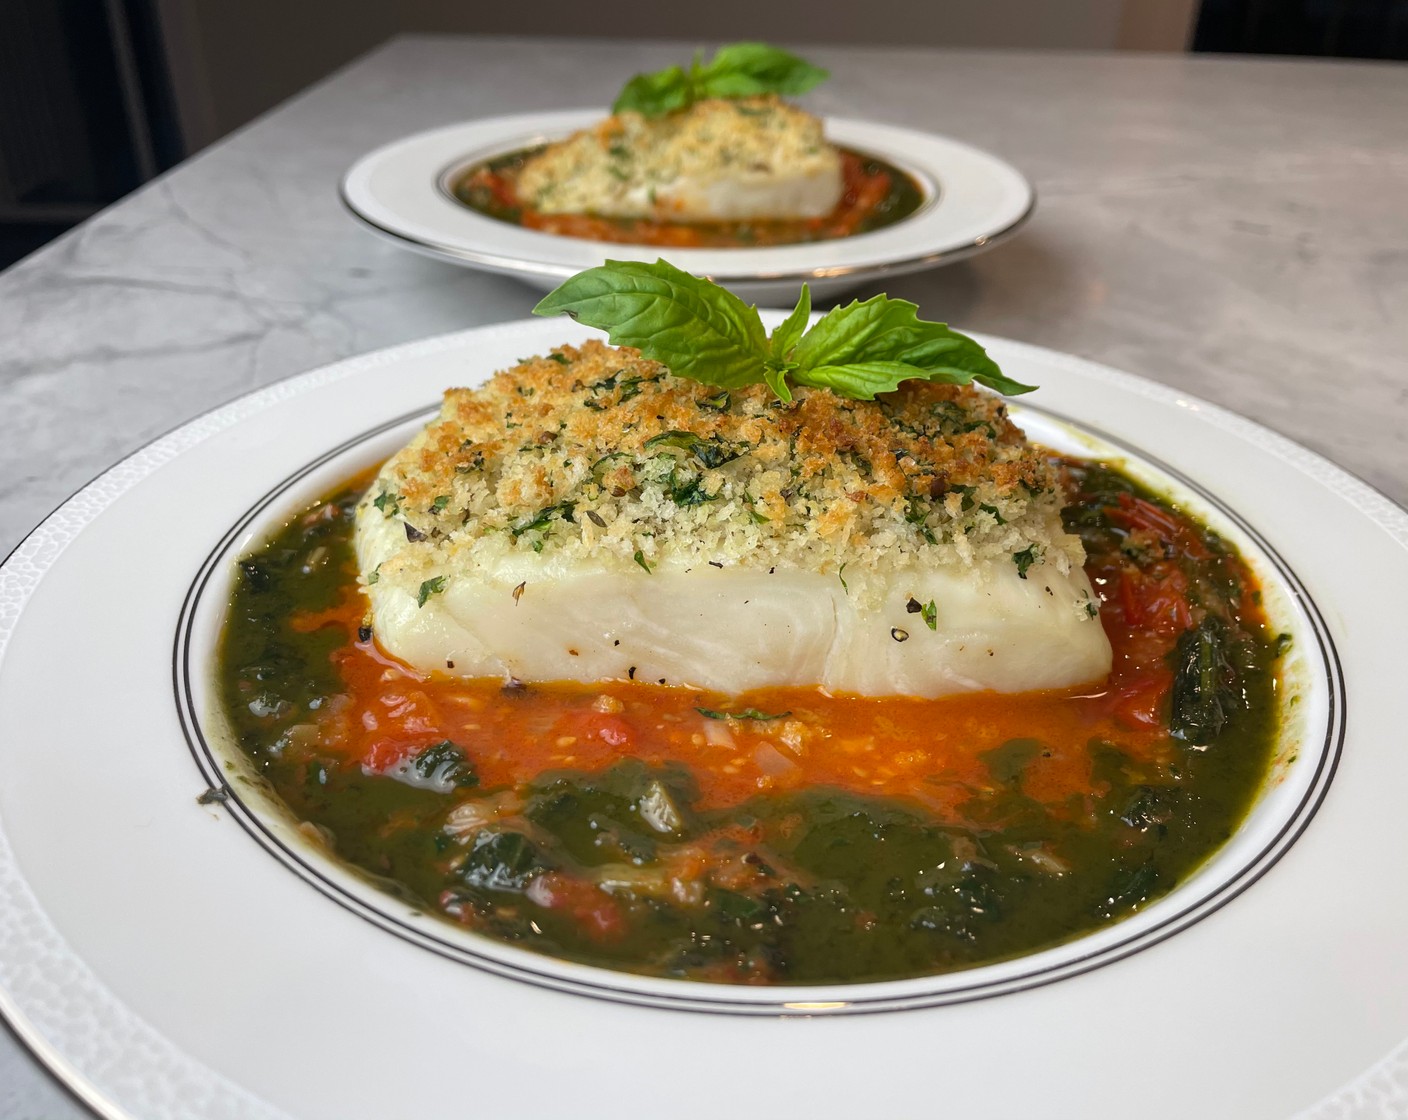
[597, 452]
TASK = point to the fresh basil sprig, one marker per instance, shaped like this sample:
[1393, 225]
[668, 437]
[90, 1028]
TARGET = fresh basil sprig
[737, 70]
[706, 333]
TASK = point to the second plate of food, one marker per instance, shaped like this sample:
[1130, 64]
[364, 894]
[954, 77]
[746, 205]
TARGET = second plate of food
[915, 200]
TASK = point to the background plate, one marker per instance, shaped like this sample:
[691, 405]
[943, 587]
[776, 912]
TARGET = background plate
[165, 966]
[397, 191]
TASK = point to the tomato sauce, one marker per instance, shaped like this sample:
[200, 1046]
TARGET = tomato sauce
[893, 747]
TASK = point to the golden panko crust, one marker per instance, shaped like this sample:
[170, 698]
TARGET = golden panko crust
[597, 450]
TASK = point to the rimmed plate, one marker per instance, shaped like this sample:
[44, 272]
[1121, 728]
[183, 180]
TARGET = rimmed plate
[164, 964]
[972, 200]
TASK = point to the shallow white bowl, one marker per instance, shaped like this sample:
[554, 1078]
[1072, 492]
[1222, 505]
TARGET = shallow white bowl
[973, 199]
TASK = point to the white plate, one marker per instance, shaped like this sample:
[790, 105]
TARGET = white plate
[972, 200]
[170, 959]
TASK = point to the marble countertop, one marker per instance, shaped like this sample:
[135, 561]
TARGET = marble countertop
[1237, 228]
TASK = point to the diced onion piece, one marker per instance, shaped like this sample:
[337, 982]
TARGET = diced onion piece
[717, 734]
[772, 761]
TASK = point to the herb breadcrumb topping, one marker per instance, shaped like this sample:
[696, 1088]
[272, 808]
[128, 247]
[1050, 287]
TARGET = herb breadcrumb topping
[628, 165]
[595, 452]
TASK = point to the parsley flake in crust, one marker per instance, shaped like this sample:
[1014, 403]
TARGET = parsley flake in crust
[587, 516]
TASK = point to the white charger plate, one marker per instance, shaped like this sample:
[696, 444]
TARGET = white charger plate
[972, 200]
[165, 964]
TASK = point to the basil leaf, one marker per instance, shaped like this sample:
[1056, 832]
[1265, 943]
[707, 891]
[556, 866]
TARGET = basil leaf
[861, 380]
[880, 335]
[749, 69]
[781, 343]
[776, 380]
[784, 339]
[696, 328]
[737, 70]
[654, 95]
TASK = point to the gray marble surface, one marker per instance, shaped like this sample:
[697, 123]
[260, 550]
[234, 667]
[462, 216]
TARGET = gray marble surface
[1234, 227]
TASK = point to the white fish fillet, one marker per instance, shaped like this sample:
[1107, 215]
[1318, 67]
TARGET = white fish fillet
[745, 196]
[739, 628]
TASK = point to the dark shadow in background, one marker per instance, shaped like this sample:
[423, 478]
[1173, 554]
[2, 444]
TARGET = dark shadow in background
[86, 113]
[1331, 28]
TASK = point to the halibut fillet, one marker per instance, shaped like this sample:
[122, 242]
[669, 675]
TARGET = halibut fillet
[588, 516]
